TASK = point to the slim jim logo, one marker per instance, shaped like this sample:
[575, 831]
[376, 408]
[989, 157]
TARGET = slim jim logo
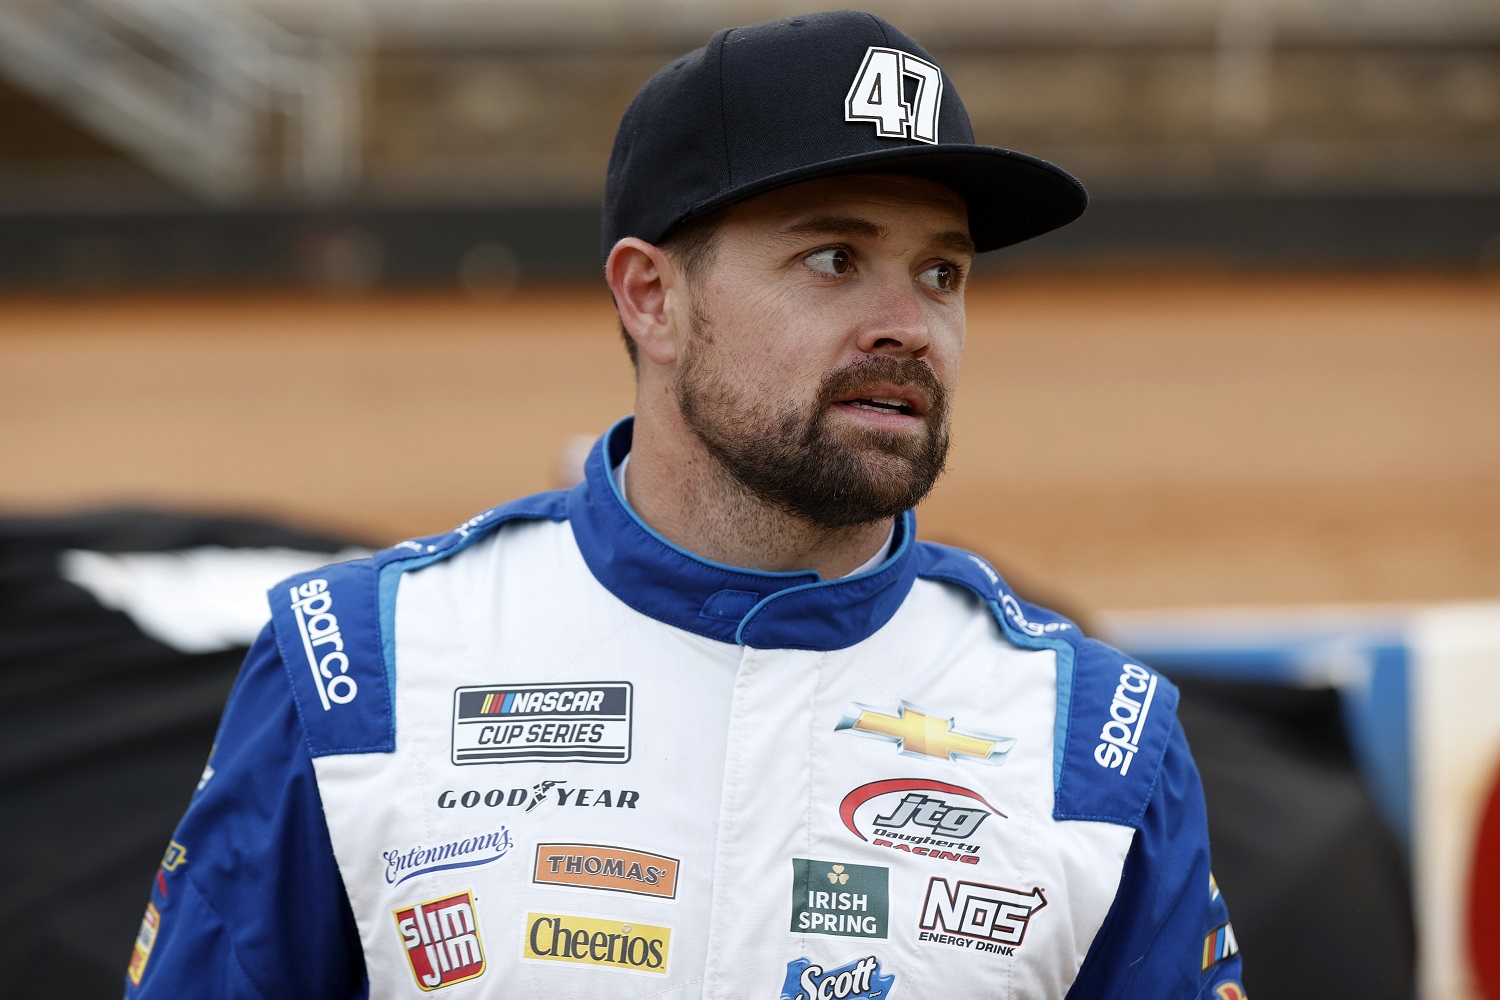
[596, 866]
[604, 944]
[442, 941]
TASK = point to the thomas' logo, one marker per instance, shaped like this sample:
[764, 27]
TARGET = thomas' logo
[546, 723]
[981, 917]
[604, 944]
[442, 941]
[839, 899]
[1121, 735]
[860, 979]
[918, 734]
[919, 816]
[312, 606]
[594, 866]
[879, 94]
[465, 852]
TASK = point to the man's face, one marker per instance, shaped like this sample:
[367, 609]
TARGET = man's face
[825, 345]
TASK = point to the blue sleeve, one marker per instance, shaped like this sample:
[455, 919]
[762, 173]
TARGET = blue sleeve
[248, 902]
[1168, 933]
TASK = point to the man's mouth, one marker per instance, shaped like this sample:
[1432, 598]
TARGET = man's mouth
[881, 405]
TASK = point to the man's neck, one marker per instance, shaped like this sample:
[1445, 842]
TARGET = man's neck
[693, 502]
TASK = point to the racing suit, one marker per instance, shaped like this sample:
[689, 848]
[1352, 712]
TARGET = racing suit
[550, 753]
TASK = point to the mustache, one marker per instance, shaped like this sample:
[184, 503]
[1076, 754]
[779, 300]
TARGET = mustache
[907, 373]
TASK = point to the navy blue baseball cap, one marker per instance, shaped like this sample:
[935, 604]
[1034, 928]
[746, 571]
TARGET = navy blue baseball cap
[841, 92]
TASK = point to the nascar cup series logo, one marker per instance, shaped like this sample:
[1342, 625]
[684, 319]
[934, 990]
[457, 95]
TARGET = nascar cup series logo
[920, 816]
[586, 722]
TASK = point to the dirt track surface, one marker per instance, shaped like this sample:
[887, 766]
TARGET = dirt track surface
[1120, 441]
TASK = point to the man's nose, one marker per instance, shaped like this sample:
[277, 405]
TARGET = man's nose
[894, 322]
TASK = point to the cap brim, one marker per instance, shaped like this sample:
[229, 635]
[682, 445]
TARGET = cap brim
[1011, 196]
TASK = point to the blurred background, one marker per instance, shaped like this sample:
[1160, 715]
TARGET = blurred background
[288, 276]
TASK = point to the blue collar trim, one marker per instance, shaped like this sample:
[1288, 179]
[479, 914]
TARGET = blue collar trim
[744, 606]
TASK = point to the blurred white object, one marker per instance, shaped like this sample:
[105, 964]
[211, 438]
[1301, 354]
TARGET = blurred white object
[199, 600]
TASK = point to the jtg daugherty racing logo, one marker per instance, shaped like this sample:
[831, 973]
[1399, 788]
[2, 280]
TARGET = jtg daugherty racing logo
[919, 816]
[1121, 735]
[860, 979]
[313, 607]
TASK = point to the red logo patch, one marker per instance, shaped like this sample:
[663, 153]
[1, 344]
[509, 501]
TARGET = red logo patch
[441, 937]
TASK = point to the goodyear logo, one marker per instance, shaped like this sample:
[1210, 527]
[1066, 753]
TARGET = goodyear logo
[586, 722]
[594, 866]
[604, 944]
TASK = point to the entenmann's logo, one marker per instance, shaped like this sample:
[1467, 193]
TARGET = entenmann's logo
[312, 606]
[604, 944]
[586, 722]
[464, 852]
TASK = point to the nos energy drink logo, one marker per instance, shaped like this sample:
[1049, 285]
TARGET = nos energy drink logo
[542, 723]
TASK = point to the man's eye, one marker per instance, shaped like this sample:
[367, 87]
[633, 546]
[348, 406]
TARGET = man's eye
[941, 276]
[834, 260]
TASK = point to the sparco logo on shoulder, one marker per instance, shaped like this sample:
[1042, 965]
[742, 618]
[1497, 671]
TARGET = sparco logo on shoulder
[312, 605]
[1120, 739]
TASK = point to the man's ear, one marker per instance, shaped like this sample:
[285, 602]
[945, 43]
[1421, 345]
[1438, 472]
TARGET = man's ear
[645, 283]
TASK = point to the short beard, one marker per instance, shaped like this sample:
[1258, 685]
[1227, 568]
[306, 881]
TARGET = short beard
[798, 464]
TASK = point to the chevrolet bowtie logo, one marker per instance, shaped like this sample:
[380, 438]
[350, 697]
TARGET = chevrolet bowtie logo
[923, 735]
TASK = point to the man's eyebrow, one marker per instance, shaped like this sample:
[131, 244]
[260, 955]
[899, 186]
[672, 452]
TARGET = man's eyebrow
[834, 225]
[955, 241]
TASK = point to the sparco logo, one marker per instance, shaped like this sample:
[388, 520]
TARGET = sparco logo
[860, 979]
[1121, 735]
[442, 941]
[313, 607]
[550, 792]
[919, 816]
[982, 917]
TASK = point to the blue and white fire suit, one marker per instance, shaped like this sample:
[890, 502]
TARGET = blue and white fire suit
[552, 754]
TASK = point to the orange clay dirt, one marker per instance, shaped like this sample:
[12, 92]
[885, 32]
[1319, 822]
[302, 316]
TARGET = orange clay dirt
[1121, 441]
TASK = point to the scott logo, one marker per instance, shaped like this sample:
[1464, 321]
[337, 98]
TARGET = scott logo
[1121, 735]
[312, 606]
[904, 814]
[857, 980]
[442, 941]
[878, 95]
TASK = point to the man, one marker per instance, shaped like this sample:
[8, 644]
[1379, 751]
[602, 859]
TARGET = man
[714, 722]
